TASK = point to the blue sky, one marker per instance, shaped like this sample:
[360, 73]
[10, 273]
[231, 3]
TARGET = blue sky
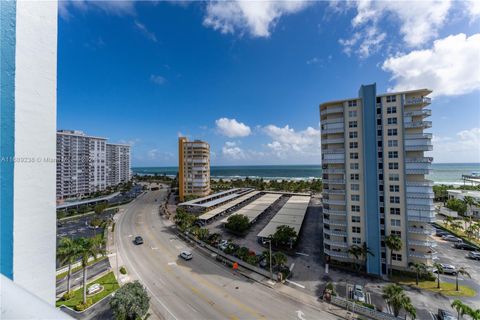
[248, 76]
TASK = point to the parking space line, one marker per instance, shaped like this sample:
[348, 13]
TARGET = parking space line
[296, 284]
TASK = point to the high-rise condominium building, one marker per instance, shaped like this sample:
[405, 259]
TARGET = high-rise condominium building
[28, 42]
[118, 164]
[193, 168]
[87, 164]
[374, 171]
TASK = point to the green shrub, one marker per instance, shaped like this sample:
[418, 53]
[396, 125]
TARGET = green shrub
[83, 306]
[123, 270]
[68, 295]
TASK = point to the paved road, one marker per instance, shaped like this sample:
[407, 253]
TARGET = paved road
[76, 278]
[199, 288]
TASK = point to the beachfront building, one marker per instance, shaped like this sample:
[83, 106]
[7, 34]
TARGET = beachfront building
[374, 177]
[27, 170]
[88, 164]
[193, 168]
[118, 159]
[473, 210]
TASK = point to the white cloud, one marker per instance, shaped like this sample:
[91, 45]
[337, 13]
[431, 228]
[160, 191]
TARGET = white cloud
[232, 128]
[119, 8]
[157, 79]
[464, 147]
[254, 17]
[450, 67]
[150, 35]
[473, 8]
[286, 141]
[231, 151]
[314, 60]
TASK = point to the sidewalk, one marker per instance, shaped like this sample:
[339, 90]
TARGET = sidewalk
[115, 259]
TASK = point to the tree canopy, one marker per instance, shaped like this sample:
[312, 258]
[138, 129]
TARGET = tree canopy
[130, 302]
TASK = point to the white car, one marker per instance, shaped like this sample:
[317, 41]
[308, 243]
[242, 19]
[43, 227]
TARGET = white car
[223, 245]
[358, 293]
[451, 238]
[474, 255]
[447, 269]
[187, 255]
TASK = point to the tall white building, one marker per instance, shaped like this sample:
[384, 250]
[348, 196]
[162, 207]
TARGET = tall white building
[374, 171]
[118, 163]
[28, 63]
[81, 164]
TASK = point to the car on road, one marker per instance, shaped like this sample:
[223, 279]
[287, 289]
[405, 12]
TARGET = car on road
[358, 293]
[441, 233]
[474, 255]
[447, 269]
[445, 315]
[186, 255]
[451, 238]
[465, 246]
[138, 240]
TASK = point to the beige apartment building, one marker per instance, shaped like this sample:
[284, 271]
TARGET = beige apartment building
[374, 171]
[193, 168]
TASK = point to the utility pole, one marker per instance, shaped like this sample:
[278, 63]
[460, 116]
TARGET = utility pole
[270, 255]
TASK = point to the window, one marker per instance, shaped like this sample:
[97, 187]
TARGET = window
[355, 197]
[391, 110]
[379, 122]
[394, 199]
[397, 233]
[354, 187]
[395, 211]
[352, 113]
[355, 208]
[356, 219]
[392, 120]
[395, 222]
[353, 134]
[396, 257]
[393, 143]
[356, 240]
[354, 176]
[356, 230]
[394, 188]
[392, 154]
[352, 103]
[394, 177]
[392, 132]
[393, 166]
[353, 155]
[353, 145]
[352, 124]
[391, 98]
[354, 166]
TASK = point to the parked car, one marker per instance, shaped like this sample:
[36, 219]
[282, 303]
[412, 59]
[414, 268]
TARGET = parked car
[451, 238]
[138, 240]
[445, 315]
[358, 293]
[447, 269]
[474, 255]
[223, 245]
[186, 255]
[441, 233]
[465, 246]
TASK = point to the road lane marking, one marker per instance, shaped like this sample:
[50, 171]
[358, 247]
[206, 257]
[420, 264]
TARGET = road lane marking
[300, 315]
[296, 284]
[302, 254]
[172, 263]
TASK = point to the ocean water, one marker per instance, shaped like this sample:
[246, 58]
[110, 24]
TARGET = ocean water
[446, 173]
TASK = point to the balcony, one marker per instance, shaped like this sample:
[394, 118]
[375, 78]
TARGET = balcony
[333, 140]
[337, 127]
[334, 181]
[333, 170]
[341, 213]
[424, 231]
[333, 191]
[418, 145]
[334, 202]
[335, 233]
[335, 222]
[333, 161]
[423, 255]
[419, 136]
[331, 110]
[330, 151]
[333, 121]
[336, 254]
[425, 218]
[417, 167]
[422, 243]
[419, 160]
[425, 183]
[420, 112]
[421, 100]
[335, 243]
[420, 193]
[418, 124]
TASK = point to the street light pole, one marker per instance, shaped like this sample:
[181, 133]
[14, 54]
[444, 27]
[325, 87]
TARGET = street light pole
[270, 246]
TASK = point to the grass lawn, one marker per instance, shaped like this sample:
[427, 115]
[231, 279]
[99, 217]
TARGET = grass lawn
[109, 284]
[447, 289]
[64, 274]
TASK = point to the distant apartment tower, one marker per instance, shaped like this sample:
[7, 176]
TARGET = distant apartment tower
[193, 168]
[374, 177]
[118, 164]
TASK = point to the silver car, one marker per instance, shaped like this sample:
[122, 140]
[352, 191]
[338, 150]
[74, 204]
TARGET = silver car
[474, 255]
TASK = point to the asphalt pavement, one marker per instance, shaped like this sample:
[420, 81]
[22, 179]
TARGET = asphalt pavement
[199, 288]
[76, 277]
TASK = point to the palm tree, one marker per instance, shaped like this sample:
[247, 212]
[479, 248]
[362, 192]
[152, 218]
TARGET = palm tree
[474, 314]
[396, 298]
[439, 268]
[89, 248]
[393, 243]
[448, 221]
[409, 309]
[460, 307]
[365, 252]
[279, 259]
[463, 271]
[68, 250]
[419, 268]
[470, 202]
[457, 224]
[355, 251]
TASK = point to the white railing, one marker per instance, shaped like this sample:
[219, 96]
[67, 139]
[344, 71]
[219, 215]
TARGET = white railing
[426, 231]
[334, 201]
[336, 254]
[418, 124]
[335, 212]
[333, 140]
[334, 181]
[331, 191]
[421, 100]
[419, 136]
[421, 112]
[333, 171]
[329, 151]
[422, 243]
[335, 243]
[423, 255]
[330, 110]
